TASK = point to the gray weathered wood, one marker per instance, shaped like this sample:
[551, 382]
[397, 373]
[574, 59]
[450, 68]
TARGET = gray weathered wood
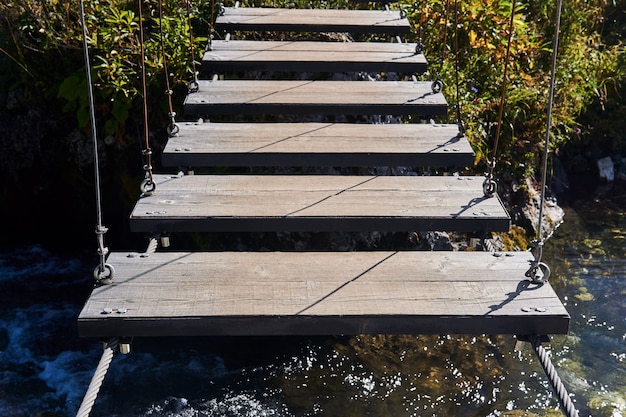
[236, 97]
[317, 144]
[317, 293]
[302, 56]
[312, 20]
[250, 203]
[321, 293]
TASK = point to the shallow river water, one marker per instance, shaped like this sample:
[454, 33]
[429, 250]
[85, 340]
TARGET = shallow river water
[45, 369]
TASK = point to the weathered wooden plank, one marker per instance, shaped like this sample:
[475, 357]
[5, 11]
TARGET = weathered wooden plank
[312, 20]
[301, 56]
[251, 203]
[238, 97]
[321, 293]
[317, 144]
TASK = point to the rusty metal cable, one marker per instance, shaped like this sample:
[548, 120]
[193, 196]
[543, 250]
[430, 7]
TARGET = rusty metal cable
[456, 68]
[147, 185]
[539, 271]
[445, 33]
[489, 186]
[172, 128]
[193, 84]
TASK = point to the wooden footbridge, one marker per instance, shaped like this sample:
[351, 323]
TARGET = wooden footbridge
[168, 293]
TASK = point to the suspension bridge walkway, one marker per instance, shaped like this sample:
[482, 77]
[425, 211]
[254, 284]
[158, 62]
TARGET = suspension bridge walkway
[169, 293]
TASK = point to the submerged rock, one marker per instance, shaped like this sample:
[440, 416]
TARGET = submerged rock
[608, 404]
[584, 295]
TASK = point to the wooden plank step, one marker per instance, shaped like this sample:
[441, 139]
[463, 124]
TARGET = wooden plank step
[302, 56]
[246, 97]
[317, 144]
[312, 20]
[321, 293]
[317, 203]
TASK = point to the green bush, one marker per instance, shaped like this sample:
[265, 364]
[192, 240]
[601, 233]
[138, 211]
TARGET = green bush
[44, 40]
[589, 70]
[41, 51]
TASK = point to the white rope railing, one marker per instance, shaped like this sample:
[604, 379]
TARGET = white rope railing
[567, 405]
[98, 378]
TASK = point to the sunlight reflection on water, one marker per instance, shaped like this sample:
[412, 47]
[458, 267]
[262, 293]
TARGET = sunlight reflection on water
[43, 370]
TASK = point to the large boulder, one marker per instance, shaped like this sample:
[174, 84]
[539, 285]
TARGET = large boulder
[553, 214]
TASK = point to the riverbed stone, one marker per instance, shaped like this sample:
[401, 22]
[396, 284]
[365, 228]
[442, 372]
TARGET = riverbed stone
[584, 295]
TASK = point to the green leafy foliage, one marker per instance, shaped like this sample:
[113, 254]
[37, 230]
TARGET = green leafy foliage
[44, 39]
[466, 43]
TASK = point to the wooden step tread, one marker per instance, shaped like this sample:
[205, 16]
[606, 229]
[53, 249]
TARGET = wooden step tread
[246, 97]
[321, 293]
[317, 203]
[312, 20]
[317, 144]
[302, 56]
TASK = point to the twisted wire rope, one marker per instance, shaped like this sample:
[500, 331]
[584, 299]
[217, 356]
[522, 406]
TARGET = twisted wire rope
[98, 378]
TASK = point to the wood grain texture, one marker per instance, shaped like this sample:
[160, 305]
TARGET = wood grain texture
[317, 144]
[317, 293]
[306, 293]
[314, 97]
[303, 56]
[313, 203]
[312, 20]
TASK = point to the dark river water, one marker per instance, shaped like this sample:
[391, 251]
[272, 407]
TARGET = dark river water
[45, 369]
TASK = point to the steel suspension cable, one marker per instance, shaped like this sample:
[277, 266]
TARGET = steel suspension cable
[193, 84]
[456, 67]
[172, 128]
[147, 186]
[419, 44]
[220, 12]
[103, 271]
[539, 271]
[445, 32]
[489, 186]
[437, 85]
